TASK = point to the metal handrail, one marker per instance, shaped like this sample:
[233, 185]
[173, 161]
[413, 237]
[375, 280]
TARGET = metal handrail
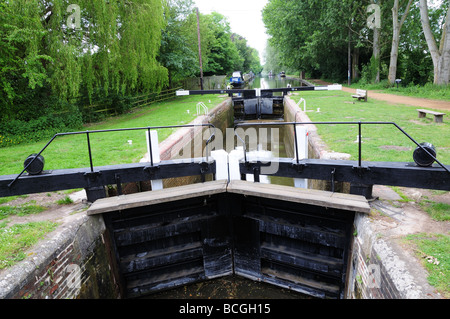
[334, 123]
[148, 128]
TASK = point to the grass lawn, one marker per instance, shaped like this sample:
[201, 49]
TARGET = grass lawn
[109, 148]
[437, 211]
[15, 240]
[71, 152]
[380, 142]
[428, 91]
[386, 143]
[432, 249]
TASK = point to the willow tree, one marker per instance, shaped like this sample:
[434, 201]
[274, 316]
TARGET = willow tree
[22, 58]
[92, 47]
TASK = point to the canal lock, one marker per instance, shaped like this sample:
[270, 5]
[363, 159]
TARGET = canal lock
[107, 281]
[192, 277]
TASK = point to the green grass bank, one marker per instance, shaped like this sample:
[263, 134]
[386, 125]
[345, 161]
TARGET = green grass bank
[379, 142]
[109, 148]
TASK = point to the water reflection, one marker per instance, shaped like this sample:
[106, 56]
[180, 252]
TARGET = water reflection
[274, 82]
[230, 287]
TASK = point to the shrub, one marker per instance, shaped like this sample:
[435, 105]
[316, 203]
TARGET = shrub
[15, 132]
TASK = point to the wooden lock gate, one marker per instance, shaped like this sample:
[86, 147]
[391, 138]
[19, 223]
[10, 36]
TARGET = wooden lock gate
[290, 237]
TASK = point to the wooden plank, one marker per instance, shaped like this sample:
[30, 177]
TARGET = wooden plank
[438, 116]
[301, 260]
[164, 278]
[360, 94]
[306, 196]
[123, 202]
[62, 179]
[160, 258]
[317, 288]
[146, 234]
[371, 173]
[303, 234]
[354, 203]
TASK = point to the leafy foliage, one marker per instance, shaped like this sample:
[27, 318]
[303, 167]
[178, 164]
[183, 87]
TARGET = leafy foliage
[310, 35]
[44, 61]
[249, 56]
[56, 57]
[179, 51]
[222, 51]
[314, 36]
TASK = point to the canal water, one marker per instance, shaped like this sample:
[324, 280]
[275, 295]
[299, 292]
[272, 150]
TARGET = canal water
[274, 82]
[282, 150]
[229, 287]
[236, 287]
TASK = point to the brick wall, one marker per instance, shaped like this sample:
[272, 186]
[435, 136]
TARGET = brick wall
[370, 278]
[74, 263]
[376, 271]
[58, 280]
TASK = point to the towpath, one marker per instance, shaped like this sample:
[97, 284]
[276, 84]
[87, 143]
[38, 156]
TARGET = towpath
[399, 99]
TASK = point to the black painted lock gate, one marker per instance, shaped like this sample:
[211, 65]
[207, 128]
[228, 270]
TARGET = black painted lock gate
[289, 237]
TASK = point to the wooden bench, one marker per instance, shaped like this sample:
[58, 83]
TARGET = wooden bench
[360, 95]
[438, 116]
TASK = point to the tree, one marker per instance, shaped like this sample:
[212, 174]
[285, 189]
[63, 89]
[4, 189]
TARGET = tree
[273, 61]
[223, 56]
[313, 35]
[397, 26]
[179, 53]
[255, 63]
[250, 56]
[376, 26]
[415, 65]
[110, 49]
[23, 74]
[440, 55]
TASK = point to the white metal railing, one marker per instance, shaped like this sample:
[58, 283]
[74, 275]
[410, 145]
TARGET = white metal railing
[201, 106]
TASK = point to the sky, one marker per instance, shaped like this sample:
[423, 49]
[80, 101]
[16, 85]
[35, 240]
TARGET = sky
[244, 16]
